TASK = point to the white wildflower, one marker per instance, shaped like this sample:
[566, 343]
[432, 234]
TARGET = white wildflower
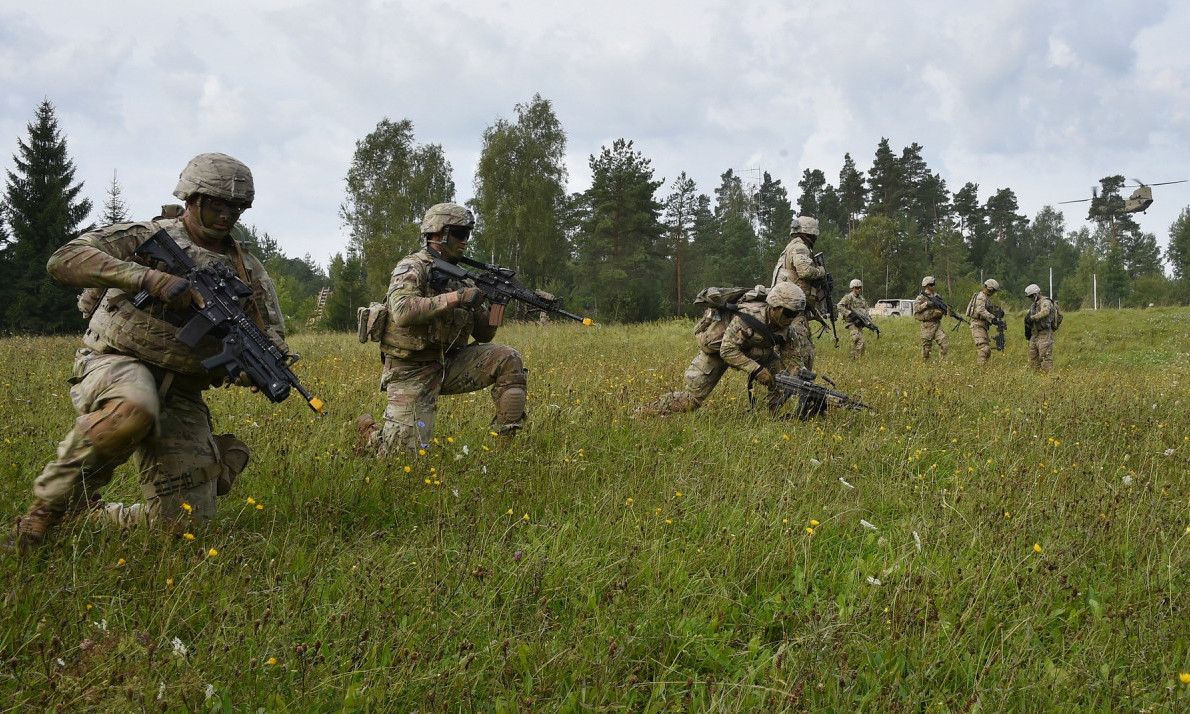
[179, 647]
[867, 525]
[1127, 479]
[874, 581]
[917, 540]
[61, 662]
[210, 691]
[161, 691]
[842, 481]
[1169, 452]
[466, 450]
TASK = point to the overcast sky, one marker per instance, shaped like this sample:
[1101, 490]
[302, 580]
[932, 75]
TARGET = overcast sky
[1044, 98]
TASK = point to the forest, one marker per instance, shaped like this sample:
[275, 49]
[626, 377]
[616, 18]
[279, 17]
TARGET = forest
[634, 246]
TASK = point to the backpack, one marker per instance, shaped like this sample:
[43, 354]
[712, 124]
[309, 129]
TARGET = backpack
[371, 322]
[720, 300]
[1055, 316]
[971, 305]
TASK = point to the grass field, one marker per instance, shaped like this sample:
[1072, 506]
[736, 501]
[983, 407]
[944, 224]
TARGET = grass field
[991, 542]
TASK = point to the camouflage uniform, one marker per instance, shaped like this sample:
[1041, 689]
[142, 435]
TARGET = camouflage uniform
[852, 303]
[426, 353]
[727, 343]
[931, 326]
[981, 319]
[1041, 341]
[797, 265]
[133, 372]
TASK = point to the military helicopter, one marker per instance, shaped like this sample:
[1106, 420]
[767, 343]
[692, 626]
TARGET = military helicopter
[1138, 202]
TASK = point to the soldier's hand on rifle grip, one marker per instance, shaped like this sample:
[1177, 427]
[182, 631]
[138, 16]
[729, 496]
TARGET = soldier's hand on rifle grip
[175, 292]
[470, 298]
[765, 377]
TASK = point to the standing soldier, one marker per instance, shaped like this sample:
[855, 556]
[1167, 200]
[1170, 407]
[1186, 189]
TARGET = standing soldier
[1039, 323]
[426, 343]
[797, 265]
[854, 310]
[931, 321]
[979, 309]
[754, 339]
[137, 388]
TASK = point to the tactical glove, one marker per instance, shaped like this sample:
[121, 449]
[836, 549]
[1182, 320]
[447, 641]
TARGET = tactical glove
[765, 377]
[175, 292]
[470, 298]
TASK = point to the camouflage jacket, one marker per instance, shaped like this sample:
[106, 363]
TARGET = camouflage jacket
[1041, 315]
[852, 303]
[924, 310]
[739, 345]
[422, 327]
[980, 309]
[102, 261]
[796, 264]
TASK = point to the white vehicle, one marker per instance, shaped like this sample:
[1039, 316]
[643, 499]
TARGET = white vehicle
[892, 308]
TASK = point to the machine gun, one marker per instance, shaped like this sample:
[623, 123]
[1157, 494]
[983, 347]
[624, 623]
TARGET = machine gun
[828, 287]
[998, 338]
[247, 350]
[500, 285]
[940, 304]
[812, 399]
[865, 321]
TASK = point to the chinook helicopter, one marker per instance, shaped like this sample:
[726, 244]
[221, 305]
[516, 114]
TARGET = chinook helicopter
[1138, 202]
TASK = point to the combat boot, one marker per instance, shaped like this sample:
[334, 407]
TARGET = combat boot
[365, 426]
[32, 528]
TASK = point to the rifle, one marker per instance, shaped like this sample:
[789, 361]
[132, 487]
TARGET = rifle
[246, 348]
[828, 286]
[812, 399]
[940, 304]
[998, 338]
[1029, 320]
[865, 321]
[500, 285]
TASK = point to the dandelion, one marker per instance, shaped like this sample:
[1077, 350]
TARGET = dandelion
[450, 440]
[260, 506]
[272, 661]
[784, 521]
[668, 522]
[1184, 677]
[251, 501]
[510, 511]
[1007, 514]
[678, 494]
[421, 452]
[119, 562]
[407, 469]
[212, 553]
[525, 517]
[187, 508]
[188, 536]
[813, 522]
[1036, 547]
[867, 525]
[810, 530]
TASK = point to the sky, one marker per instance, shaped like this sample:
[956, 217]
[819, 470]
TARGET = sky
[1044, 98]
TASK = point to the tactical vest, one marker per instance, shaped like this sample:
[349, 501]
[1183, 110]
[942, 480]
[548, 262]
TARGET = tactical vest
[430, 340]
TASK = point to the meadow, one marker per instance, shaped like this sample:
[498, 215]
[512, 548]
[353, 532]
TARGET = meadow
[996, 541]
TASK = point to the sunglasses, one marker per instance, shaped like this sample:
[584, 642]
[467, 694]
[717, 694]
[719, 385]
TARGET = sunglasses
[789, 314]
[456, 232]
[218, 205]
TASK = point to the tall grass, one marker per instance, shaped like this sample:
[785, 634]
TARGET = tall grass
[978, 542]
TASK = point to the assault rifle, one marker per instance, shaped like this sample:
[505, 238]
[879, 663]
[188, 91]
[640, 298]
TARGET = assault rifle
[812, 399]
[828, 286]
[247, 350]
[1029, 320]
[865, 321]
[940, 304]
[998, 338]
[500, 285]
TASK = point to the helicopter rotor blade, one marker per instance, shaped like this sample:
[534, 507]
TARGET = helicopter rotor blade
[1077, 200]
[1166, 183]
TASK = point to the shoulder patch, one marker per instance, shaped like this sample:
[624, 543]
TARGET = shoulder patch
[401, 269]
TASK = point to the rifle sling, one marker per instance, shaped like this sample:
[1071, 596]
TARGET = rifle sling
[756, 325]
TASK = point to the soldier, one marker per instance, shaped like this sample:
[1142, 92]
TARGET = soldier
[138, 390]
[931, 321]
[851, 305]
[797, 265]
[979, 309]
[426, 344]
[754, 340]
[1039, 321]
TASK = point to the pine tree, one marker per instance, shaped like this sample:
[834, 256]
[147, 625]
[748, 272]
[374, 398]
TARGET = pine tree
[1178, 252]
[44, 212]
[115, 210]
[852, 193]
[680, 208]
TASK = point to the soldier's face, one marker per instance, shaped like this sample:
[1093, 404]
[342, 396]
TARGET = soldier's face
[781, 316]
[454, 243]
[217, 214]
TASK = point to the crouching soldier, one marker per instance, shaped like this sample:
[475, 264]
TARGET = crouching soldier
[755, 338]
[137, 388]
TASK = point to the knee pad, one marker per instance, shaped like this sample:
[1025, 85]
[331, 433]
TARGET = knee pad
[509, 395]
[233, 459]
[116, 429]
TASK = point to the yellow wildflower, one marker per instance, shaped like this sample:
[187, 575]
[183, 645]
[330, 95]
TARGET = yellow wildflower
[1036, 547]
[188, 536]
[212, 552]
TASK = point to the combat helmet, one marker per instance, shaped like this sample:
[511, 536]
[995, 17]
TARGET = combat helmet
[857, 283]
[928, 280]
[218, 176]
[805, 226]
[991, 284]
[787, 295]
[1032, 289]
[441, 215]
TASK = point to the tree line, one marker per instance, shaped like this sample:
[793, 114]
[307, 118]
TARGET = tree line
[634, 246]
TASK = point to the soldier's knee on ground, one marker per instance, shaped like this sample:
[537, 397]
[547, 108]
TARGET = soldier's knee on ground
[116, 428]
[233, 459]
[509, 395]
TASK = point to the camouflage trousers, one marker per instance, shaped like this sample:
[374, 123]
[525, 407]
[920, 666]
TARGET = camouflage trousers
[1041, 349]
[181, 465]
[931, 332]
[803, 342]
[702, 376]
[857, 340]
[413, 389]
[983, 344]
